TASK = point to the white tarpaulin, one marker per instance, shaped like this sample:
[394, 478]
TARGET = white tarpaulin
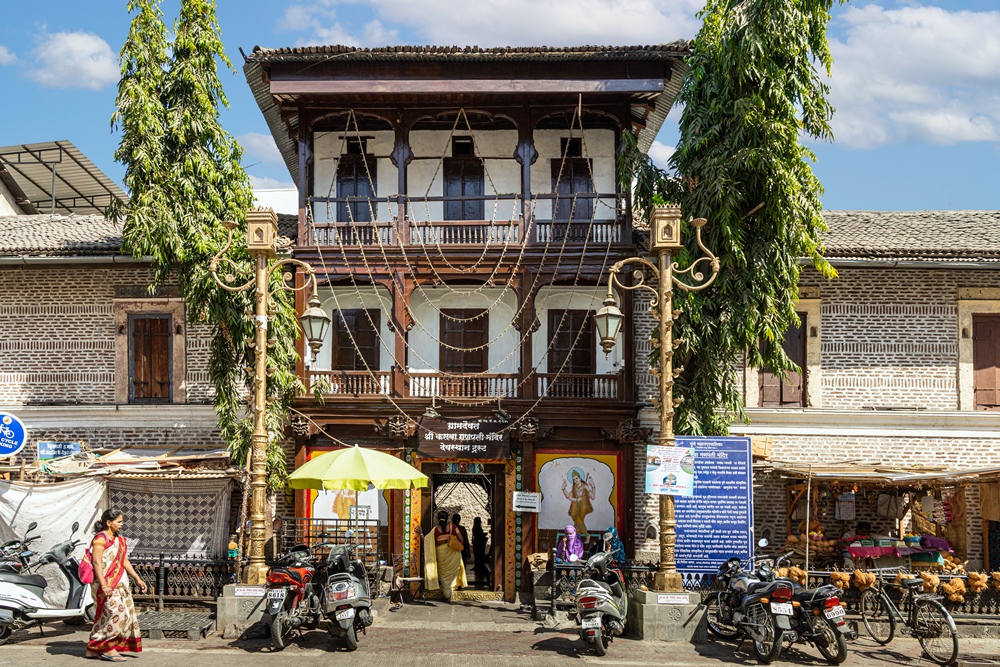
[54, 507]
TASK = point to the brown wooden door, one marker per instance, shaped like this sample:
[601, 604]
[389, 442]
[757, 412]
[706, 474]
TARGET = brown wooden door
[356, 177]
[572, 352]
[462, 329]
[776, 393]
[463, 177]
[356, 339]
[986, 361]
[575, 179]
[150, 359]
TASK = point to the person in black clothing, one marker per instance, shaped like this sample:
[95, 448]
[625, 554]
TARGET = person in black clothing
[481, 566]
[466, 552]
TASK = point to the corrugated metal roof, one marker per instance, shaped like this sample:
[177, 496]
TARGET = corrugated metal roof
[56, 177]
[412, 53]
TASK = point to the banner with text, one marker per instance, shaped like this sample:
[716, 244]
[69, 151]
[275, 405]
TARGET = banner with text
[669, 470]
[464, 439]
[716, 523]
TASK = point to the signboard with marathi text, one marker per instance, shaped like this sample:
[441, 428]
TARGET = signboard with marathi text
[464, 439]
[54, 450]
[716, 523]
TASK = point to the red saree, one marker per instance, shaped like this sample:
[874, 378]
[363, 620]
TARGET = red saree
[116, 625]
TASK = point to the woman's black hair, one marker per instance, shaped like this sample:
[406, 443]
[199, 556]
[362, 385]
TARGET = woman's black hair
[442, 517]
[109, 514]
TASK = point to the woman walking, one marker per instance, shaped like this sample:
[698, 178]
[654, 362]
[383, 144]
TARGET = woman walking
[443, 566]
[116, 625]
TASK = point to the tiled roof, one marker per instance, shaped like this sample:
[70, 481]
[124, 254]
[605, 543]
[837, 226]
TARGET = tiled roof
[78, 235]
[59, 235]
[412, 53]
[913, 235]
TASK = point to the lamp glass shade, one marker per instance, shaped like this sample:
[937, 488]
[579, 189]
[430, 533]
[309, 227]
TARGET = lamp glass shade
[315, 323]
[609, 320]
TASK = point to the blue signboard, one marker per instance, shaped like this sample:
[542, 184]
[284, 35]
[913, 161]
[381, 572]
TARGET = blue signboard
[716, 523]
[55, 450]
[13, 435]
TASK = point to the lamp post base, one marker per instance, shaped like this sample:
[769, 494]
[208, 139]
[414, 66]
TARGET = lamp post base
[255, 574]
[670, 582]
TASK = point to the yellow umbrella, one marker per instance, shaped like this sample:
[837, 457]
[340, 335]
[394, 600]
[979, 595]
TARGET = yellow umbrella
[356, 468]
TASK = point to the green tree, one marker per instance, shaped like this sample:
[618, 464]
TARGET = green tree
[184, 176]
[751, 88]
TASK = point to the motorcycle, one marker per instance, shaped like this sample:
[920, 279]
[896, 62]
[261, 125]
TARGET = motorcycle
[754, 604]
[15, 554]
[820, 619]
[21, 603]
[601, 603]
[347, 597]
[292, 599]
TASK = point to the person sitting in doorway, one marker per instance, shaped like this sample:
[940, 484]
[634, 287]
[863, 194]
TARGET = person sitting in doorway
[570, 546]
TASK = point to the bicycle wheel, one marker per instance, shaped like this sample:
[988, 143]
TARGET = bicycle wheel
[880, 623]
[935, 630]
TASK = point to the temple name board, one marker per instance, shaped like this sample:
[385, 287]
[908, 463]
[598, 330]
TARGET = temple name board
[464, 439]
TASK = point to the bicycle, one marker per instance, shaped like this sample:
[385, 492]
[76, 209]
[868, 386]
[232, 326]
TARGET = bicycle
[928, 621]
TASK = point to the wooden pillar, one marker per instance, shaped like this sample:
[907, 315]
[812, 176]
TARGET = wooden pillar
[525, 154]
[400, 290]
[526, 298]
[401, 156]
[305, 159]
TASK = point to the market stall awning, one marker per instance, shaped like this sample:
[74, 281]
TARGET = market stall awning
[884, 475]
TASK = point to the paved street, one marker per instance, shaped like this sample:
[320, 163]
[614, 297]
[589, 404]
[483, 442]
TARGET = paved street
[460, 636]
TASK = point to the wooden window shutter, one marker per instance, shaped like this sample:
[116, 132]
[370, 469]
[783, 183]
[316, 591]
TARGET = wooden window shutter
[581, 356]
[356, 336]
[775, 393]
[986, 361]
[463, 177]
[150, 359]
[574, 179]
[461, 328]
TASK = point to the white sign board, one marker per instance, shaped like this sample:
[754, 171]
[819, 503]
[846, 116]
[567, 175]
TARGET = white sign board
[668, 598]
[525, 501]
[249, 591]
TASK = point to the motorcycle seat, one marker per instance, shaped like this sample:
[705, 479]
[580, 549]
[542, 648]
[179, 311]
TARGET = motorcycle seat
[294, 574]
[757, 585]
[36, 580]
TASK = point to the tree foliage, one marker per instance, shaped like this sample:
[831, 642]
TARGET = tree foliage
[184, 177]
[751, 88]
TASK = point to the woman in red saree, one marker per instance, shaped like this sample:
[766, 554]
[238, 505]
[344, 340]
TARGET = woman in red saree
[116, 625]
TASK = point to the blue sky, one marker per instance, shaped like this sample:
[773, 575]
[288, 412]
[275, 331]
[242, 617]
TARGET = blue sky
[916, 85]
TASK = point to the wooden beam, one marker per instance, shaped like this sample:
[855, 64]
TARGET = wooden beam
[431, 86]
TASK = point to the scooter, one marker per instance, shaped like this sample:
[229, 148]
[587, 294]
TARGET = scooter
[15, 554]
[21, 603]
[347, 598]
[292, 600]
[601, 603]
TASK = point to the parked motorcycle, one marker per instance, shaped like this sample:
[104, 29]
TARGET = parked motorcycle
[601, 603]
[347, 601]
[21, 603]
[15, 554]
[754, 604]
[292, 598]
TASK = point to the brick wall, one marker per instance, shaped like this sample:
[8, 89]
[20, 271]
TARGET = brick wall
[57, 344]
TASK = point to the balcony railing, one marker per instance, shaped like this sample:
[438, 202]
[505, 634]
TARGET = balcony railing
[350, 383]
[500, 385]
[465, 232]
[571, 386]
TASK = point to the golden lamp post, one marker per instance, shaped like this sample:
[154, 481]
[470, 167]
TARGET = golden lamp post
[665, 227]
[262, 244]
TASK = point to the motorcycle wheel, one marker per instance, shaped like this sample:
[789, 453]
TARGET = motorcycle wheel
[831, 643]
[278, 632]
[718, 627]
[5, 634]
[601, 644]
[351, 639]
[767, 650]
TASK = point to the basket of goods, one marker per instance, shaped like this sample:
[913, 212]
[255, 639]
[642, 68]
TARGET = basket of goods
[952, 564]
[978, 581]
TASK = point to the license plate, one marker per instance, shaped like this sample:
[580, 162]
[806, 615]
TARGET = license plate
[276, 594]
[344, 613]
[783, 608]
[835, 612]
[591, 622]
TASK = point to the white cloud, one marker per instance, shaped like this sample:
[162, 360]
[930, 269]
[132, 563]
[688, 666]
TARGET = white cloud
[74, 60]
[659, 153]
[916, 74]
[6, 57]
[501, 23]
[268, 183]
[260, 148]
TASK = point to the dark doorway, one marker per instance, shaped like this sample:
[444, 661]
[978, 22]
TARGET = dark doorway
[473, 495]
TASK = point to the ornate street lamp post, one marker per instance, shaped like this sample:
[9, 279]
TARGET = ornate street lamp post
[262, 244]
[665, 223]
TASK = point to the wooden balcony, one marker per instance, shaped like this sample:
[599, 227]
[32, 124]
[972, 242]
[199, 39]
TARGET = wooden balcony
[574, 386]
[355, 384]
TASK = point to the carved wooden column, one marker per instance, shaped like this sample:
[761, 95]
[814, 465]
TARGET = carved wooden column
[401, 156]
[526, 325]
[400, 290]
[525, 154]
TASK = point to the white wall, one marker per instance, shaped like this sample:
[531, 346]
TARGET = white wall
[7, 205]
[424, 353]
[559, 299]
[346, 298]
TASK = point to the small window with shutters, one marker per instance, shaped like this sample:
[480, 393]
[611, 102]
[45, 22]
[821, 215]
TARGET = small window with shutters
[986, 361]
[356, 339]
[791, 392]
[464, 337]
[149, 359]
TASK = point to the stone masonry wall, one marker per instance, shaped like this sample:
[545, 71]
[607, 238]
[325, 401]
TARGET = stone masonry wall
[57, 344]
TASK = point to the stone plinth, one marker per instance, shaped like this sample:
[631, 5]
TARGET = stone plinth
[240, 607]
[669, 617]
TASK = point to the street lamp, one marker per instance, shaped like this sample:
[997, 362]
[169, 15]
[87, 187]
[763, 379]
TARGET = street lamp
[665, 227]
[262, 244]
